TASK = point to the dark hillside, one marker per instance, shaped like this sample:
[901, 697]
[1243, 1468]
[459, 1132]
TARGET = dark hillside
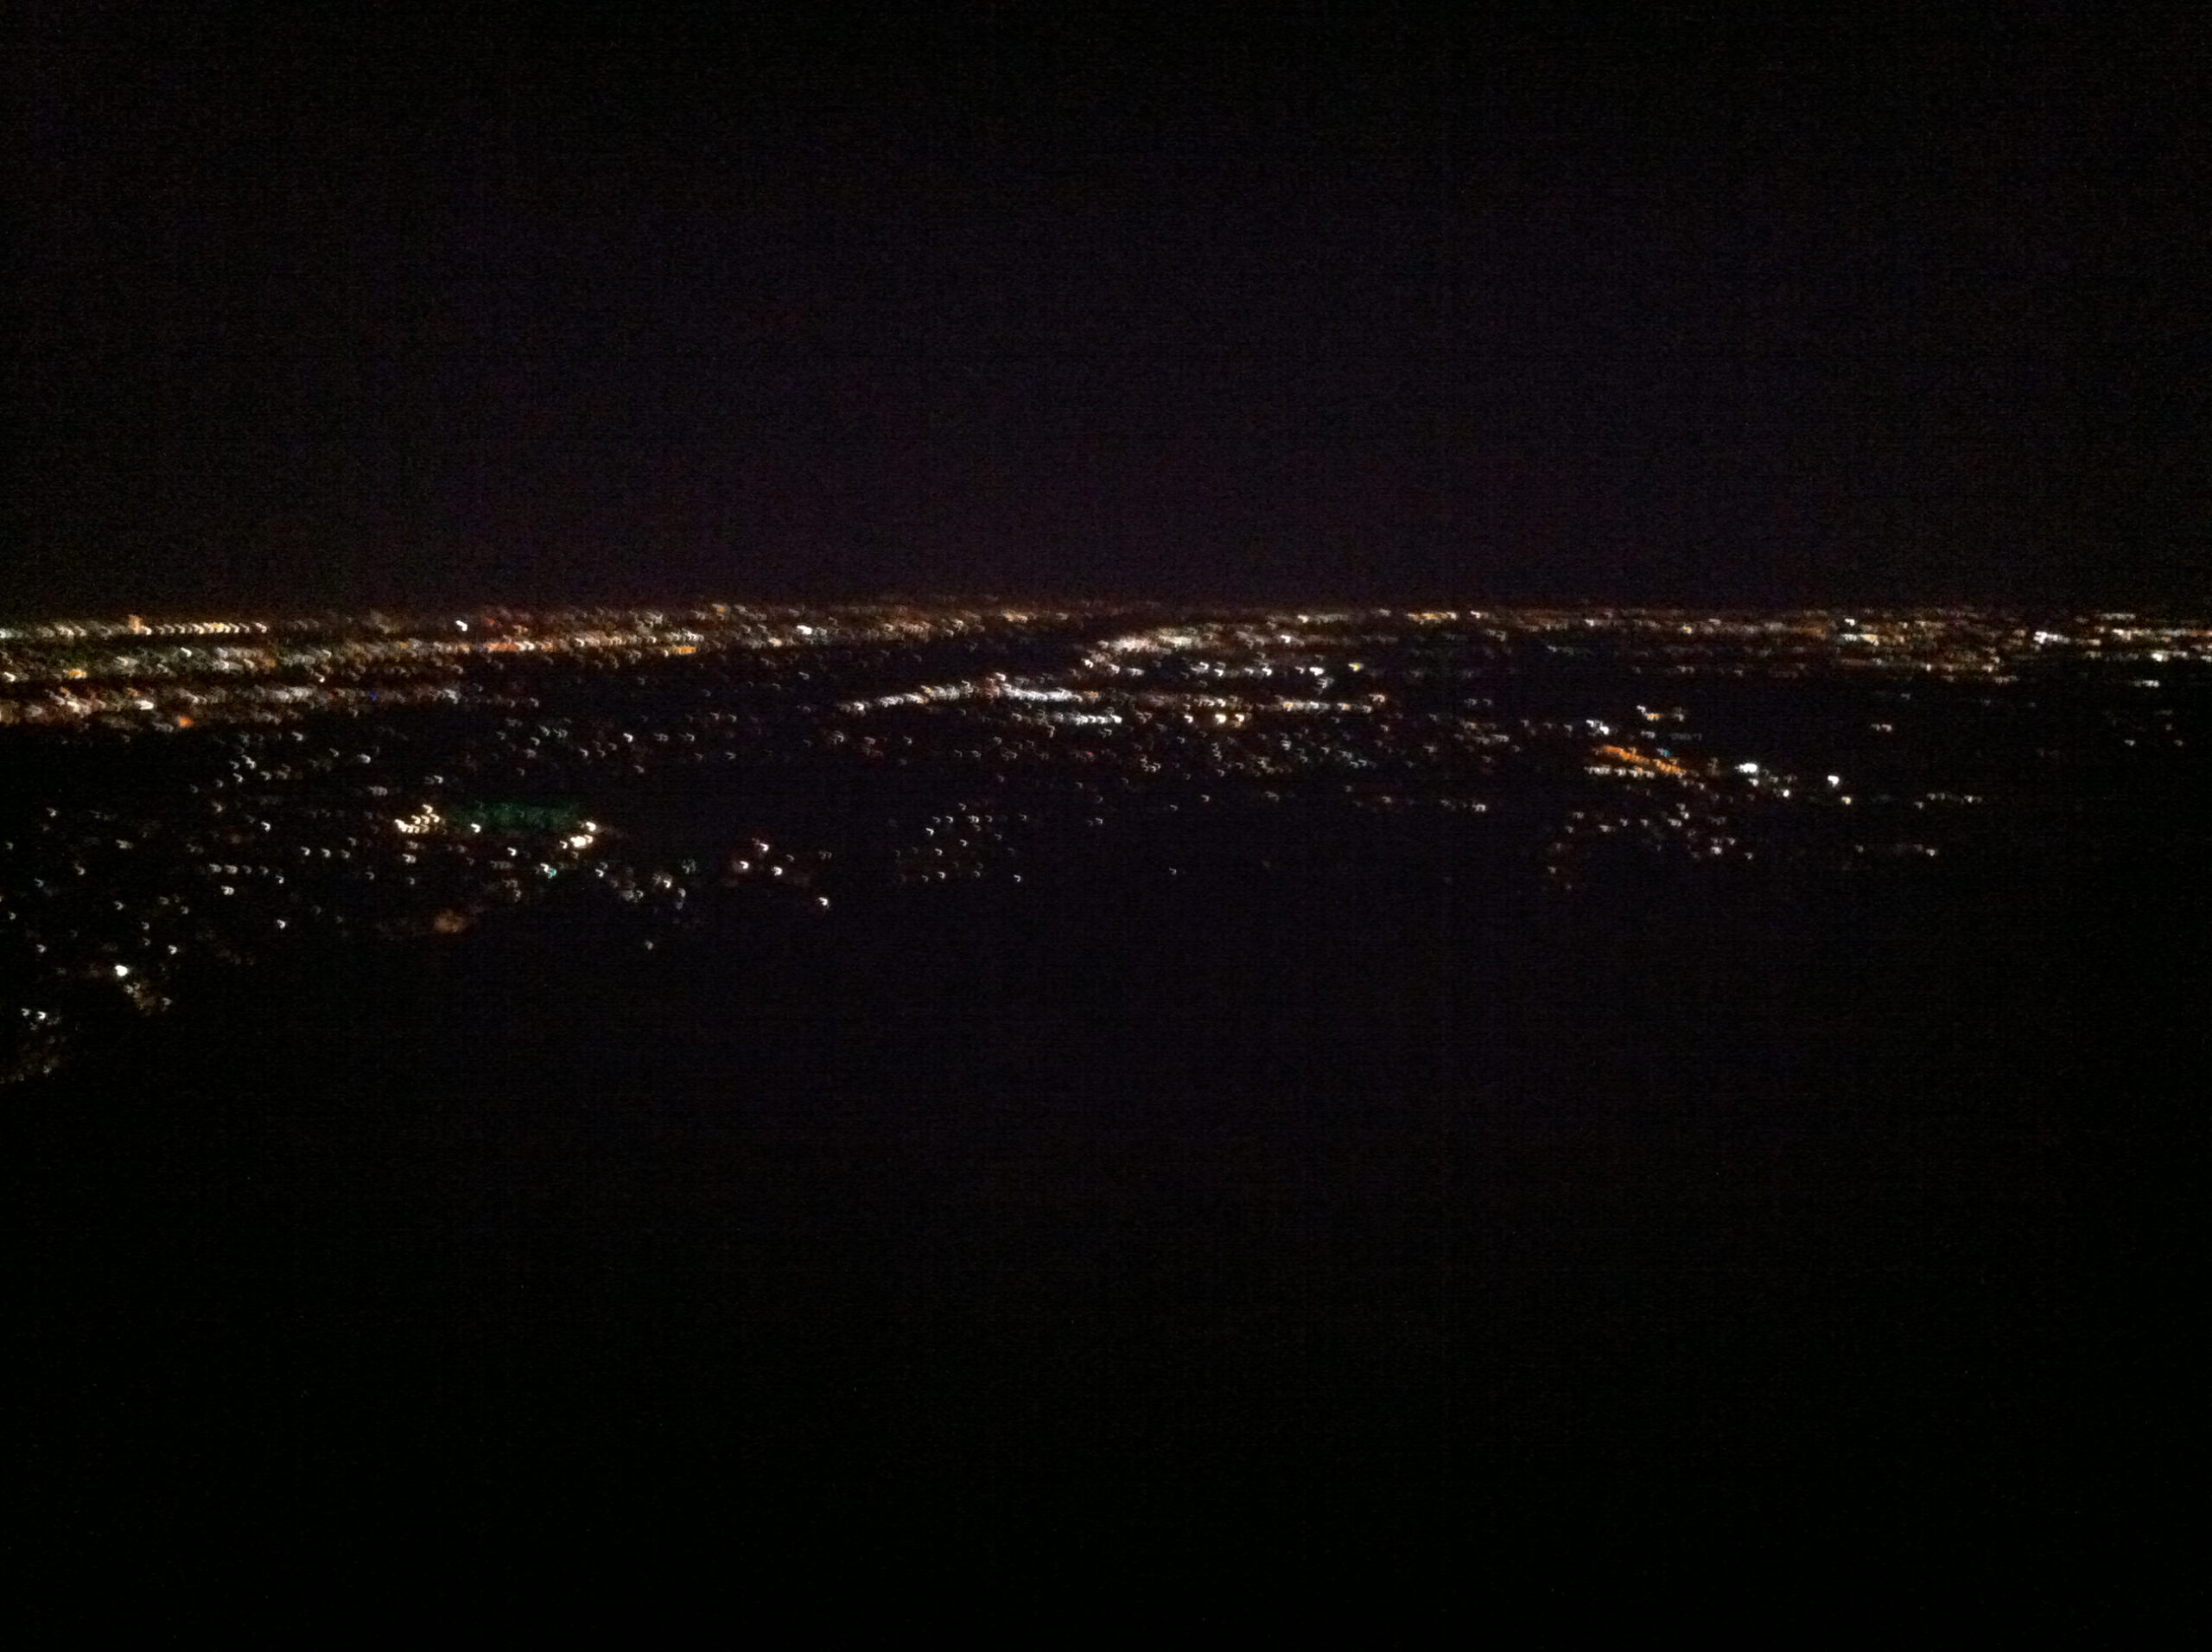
[1320, 1244]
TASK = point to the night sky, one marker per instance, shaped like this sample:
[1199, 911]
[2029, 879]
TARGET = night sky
[362, 306]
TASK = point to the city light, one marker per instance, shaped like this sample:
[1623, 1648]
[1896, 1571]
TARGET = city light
[402, 777]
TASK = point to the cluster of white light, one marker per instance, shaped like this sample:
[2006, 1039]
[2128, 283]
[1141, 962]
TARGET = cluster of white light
[928, 694]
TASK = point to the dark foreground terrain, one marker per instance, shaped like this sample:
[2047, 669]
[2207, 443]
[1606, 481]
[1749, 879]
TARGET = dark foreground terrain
[1311, 1247]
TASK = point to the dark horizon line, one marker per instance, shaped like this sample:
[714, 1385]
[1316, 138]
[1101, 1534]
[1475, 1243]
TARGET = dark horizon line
[151, 614]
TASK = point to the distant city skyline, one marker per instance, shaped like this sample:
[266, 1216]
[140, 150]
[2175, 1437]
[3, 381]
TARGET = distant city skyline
[207, 789]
